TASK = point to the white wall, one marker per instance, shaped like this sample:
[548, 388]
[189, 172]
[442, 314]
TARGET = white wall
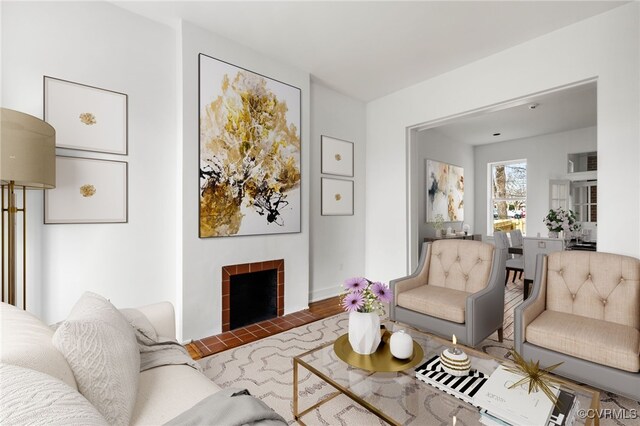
[605, 46]
[546, 159]
[101, 45]
[434, 145]
[337, 242]
[203, 259]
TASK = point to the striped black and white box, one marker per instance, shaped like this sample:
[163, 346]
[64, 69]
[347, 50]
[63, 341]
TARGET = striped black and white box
[463, 388]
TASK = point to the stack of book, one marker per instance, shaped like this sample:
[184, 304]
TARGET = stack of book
[501, 406]
[462, 387]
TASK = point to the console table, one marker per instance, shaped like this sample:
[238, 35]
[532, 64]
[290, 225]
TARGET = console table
[476, 237]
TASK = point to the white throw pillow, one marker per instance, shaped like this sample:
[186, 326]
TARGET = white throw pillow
[26, 341]
[34, 398]
[101, 348]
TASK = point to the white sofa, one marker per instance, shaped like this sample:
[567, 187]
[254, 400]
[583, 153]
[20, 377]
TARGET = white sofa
[163, 392]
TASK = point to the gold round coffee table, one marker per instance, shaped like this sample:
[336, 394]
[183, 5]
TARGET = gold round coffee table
[381, 360]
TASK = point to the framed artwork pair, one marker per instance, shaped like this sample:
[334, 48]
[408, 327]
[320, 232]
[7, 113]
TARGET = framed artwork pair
[89, 119]
[336, 194]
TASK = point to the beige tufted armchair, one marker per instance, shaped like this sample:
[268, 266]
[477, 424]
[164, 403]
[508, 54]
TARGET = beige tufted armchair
[584, 311]
[457, 288]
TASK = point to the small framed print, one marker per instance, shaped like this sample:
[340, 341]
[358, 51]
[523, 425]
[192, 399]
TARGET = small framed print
[86, 118]
[336, 156]
[337, 197]
[87, 191]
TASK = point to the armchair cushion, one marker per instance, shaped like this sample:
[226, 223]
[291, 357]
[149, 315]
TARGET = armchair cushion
[598, 341]
[435, 301]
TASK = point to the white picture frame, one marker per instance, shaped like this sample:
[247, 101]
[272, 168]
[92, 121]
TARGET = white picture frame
[86, 118]
[336, 156]
[88, 190]
[337, 197]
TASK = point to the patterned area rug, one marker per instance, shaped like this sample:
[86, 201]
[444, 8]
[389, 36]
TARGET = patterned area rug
[265, 369]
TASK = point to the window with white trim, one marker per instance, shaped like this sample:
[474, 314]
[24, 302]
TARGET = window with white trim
[507, 196]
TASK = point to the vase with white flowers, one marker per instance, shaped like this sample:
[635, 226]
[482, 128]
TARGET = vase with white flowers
[561, 220]
[364, 299]
[438, 224]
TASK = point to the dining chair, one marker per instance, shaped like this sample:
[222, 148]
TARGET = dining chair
[515, 263]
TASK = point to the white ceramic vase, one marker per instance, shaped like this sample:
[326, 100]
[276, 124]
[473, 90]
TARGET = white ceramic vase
[553, 234]
[364, 332]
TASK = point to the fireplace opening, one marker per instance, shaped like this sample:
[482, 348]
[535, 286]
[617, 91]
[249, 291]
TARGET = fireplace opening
[253, 297]
[258, 285]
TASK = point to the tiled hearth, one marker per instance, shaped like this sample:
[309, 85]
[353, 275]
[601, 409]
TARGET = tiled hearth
[231, 339]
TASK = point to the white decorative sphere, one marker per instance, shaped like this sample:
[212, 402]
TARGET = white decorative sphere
[401, 345]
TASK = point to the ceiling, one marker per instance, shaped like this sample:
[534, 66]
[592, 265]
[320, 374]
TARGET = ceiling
[560, 111]
[370, 49]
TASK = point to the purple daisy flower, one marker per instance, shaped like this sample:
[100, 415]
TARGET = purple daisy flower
[382, 292]
[357, 284]
[352, 302]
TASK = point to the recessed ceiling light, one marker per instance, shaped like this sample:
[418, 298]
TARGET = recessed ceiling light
[497, 134]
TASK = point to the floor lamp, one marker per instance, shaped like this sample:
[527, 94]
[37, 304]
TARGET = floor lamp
[27, 161]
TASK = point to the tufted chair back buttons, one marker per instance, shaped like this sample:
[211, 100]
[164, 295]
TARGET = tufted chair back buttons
[608, 286]
[460, 265]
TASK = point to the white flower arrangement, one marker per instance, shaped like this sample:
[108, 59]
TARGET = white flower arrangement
[559, 219]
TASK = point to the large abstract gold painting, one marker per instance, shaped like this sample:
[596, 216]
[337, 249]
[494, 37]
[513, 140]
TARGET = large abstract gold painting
[249, 152]
[445, 191]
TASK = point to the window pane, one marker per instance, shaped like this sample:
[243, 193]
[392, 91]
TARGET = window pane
[508, 216]
[581, 213]
[509, 180]
[580, 195]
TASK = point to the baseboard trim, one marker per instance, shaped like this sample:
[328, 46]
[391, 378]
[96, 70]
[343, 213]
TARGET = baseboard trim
[324, 293]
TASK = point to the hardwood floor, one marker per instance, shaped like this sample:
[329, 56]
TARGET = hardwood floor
[231, 339]
[317, 310]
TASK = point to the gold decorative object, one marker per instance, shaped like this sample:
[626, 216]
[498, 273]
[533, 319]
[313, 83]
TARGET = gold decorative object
[381, 360]
[87, 190]
[88, 118]
[538, 378]
[338, 197]
[338, 157]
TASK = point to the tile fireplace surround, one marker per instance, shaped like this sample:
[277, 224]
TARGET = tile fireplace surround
[230, 270]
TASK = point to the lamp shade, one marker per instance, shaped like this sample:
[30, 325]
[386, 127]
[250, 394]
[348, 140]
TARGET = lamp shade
[27, 150]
